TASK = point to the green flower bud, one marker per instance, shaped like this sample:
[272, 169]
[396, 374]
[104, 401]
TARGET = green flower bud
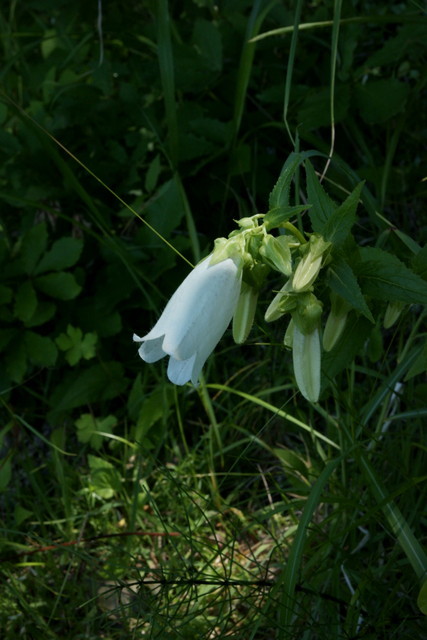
[245, 312]
[276, 253]
[306, 356]
[311, 263]
[308, 312]
[283, 302]
[393, 311]
[336, 321]
[288, 339]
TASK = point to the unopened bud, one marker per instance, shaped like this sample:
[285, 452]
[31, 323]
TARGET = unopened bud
[310, 265]
[245, 312]
[335, 322]
[393, 311]
[277, 253]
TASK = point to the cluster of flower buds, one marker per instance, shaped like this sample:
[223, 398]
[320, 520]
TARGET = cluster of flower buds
[225, 286]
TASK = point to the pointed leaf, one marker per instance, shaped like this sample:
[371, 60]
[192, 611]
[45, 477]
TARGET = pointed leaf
[279, 197]
[385, 277]
[343, 281]
[63, 254]
[342, 219]
[322, 205]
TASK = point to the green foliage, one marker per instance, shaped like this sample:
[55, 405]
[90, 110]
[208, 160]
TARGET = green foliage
[238, 509]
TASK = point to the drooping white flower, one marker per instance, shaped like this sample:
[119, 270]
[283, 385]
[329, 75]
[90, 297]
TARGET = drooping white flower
[194, 319]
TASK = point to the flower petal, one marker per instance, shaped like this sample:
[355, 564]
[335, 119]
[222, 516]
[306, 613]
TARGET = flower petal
[181, 371]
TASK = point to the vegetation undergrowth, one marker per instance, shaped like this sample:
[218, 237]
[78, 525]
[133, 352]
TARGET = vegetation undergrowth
[133, 135]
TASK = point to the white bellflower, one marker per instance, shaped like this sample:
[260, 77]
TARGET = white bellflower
[194, 319]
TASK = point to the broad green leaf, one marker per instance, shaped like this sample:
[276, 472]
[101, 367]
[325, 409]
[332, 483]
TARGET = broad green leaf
[41, 350]
[105, 479]
[383, 276]
[64, 254]
[275, 217]
[76, 345]
[43, 313]
[322, 206]
[342, 219]
[25, 301]
[33, 246]
[62, 286]
[89, 428]
[342, 280]
[279, 197]
[98, 383]
[380, 100]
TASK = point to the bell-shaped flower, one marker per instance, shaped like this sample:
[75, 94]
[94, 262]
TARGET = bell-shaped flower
[194, 319]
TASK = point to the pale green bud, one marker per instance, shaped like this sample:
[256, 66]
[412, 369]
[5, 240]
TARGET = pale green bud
[393, 311]
[289, 334]
[277, 253]
[311, 263]
[336, 321]
[245, 312]
[283, 302]
[308, 312]
[233, 248]
[306, 354]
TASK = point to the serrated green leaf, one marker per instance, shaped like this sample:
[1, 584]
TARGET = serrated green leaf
[62, 286]
[89, 428]
[279, 196]
[383, 276]
[419, 263]
[33, 245]
[64, 254]
[343, 218]
[98, 383]
[76, 345]
[25, 301]
[342, 280]
[322, 206]
[275, 217]
[41, 350]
